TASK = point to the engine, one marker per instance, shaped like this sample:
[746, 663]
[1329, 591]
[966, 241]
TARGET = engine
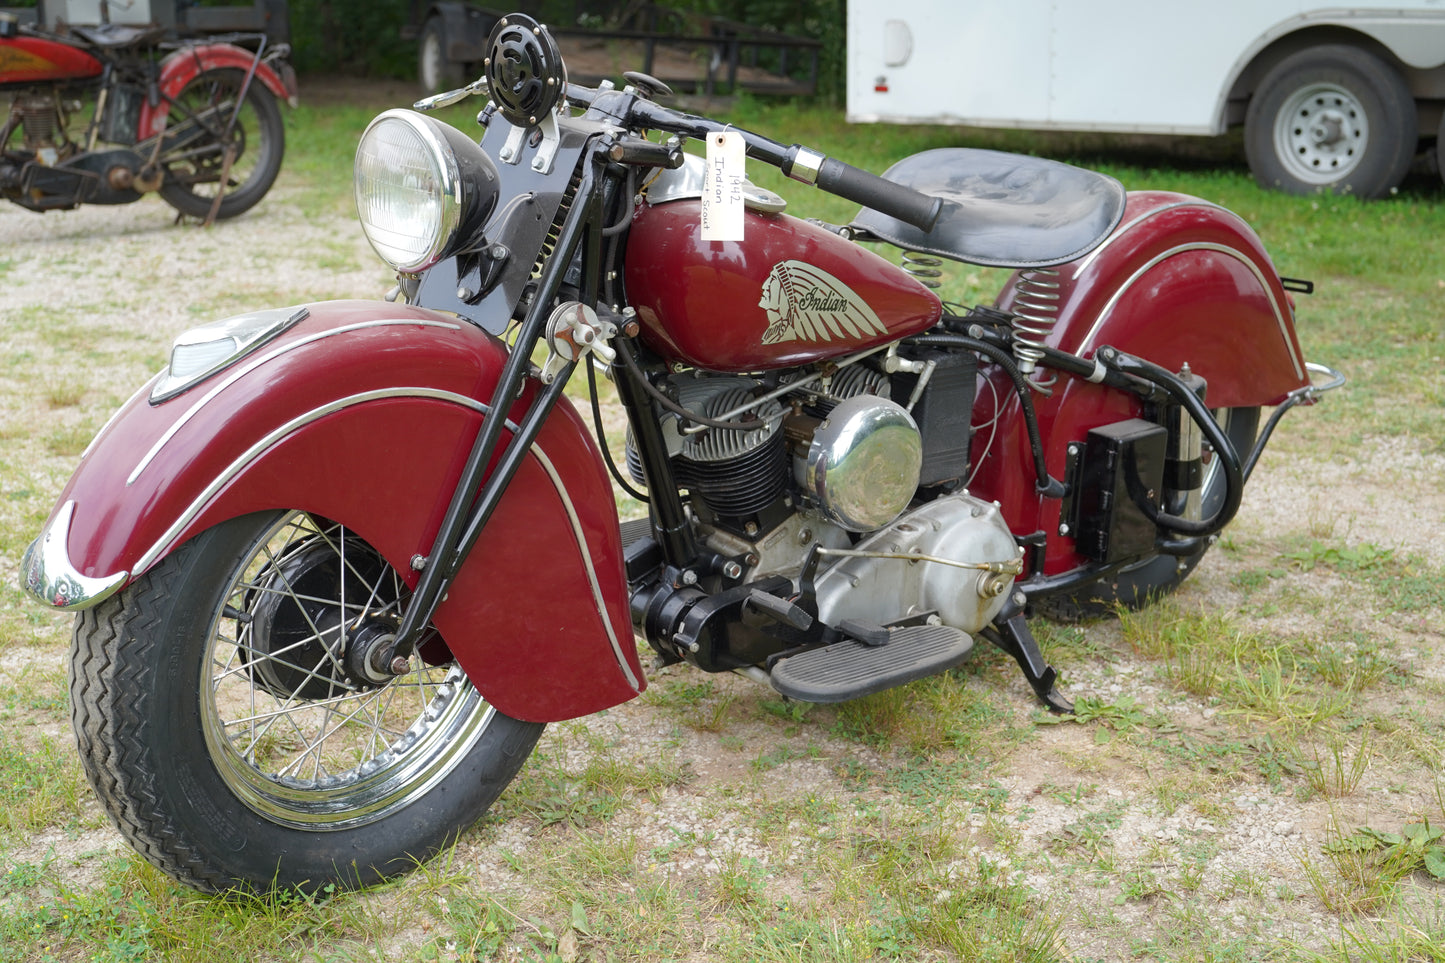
[863, 463]
[39, 114]
[837, 448]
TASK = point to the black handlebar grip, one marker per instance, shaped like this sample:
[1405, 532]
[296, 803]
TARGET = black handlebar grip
[870, 190]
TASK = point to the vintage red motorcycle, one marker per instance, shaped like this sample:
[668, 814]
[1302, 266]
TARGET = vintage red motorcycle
[197, 122]
[339, 563]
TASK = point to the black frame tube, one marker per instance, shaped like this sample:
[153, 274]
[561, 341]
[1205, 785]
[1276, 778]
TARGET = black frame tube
[462, 524]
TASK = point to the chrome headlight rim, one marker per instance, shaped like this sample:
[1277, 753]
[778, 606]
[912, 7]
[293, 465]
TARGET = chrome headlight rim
[449, 194]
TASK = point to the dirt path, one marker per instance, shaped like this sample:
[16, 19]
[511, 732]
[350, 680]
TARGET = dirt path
[1191, 817]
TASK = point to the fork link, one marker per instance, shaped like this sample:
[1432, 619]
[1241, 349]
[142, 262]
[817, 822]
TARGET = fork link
[1035, 312]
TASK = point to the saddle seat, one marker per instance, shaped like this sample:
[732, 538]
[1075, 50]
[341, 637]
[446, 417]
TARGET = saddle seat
[1002, 210]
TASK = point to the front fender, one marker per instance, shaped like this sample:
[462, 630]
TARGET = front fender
[187, 63]
[365, 413]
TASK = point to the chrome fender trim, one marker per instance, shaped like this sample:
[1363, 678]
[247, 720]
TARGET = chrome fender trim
[49, 576]
[280, 433]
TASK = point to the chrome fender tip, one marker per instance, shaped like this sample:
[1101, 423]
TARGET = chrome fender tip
[48, 575]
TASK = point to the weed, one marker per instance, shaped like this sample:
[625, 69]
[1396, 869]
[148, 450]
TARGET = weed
[1121, 716]
[1417, 846]
[1336, 770]
[1362, 558]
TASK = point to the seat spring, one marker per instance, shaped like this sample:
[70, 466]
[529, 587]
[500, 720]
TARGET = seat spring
[1035, 312]
[924, 267]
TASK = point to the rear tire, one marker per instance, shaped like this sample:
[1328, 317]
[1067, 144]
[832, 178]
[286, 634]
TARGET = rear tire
[227, 731]
[1139, 585]
[193, 169]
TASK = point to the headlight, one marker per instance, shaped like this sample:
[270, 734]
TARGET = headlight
[423, 189]
[201, 352]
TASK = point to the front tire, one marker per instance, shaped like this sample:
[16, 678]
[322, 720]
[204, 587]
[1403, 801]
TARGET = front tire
[234, 730]
[194, 163]
[1335, 118]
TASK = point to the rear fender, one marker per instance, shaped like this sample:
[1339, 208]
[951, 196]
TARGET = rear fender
[189, 62]
[364, 413]
[1180, 281]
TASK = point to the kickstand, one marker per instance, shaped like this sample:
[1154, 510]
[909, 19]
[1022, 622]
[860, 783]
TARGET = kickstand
[1010, 632]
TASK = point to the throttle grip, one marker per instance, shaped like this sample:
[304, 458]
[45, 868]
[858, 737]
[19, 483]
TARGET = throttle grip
[916, 208]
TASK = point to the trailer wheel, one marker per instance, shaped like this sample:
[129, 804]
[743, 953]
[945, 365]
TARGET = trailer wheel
[434, 69]
[1440, 147]
[1333, 118]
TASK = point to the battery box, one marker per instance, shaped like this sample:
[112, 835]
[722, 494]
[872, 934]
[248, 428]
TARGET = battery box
[1121, 464]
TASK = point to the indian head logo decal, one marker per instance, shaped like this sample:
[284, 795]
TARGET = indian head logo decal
[808, 304]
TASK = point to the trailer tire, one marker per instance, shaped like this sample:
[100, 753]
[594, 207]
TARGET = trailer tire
[1440, 147]
[1333, 117]
[434, 69]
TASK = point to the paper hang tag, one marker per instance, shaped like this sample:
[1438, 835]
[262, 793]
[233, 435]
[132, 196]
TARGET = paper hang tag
[722, 187]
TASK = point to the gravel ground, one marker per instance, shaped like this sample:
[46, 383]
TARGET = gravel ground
[129, 279]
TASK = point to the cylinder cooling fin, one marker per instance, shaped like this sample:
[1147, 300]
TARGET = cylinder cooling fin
[735, 473]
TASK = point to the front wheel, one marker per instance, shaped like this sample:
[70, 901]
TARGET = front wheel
[1138, 585]
[233, 719]
[1331, 118]
[212, 148]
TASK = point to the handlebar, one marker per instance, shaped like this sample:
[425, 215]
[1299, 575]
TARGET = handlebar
[796, 161]
[904, 203]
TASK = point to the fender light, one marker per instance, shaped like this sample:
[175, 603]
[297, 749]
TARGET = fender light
[424, 190]
[201, 352]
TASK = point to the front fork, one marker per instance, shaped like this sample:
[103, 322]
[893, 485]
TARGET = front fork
[480, 488]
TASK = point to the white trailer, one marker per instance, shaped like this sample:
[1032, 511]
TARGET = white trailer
[1335, 98]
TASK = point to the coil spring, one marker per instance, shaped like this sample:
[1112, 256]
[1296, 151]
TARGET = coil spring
[1035, 311]
[925, 267]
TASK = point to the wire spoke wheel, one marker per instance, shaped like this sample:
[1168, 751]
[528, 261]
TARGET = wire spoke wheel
[1138, 585]
[243, 719]
[212, 148]
[302, 729]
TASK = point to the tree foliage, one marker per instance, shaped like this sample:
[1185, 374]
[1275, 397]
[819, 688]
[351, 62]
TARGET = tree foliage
[357, 38]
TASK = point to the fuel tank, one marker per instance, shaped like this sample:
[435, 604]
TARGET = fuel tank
[790, 294]
[28, 60]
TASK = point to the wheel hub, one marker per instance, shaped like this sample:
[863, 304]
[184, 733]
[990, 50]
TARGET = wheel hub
[1321, 133]
[313, 632]
[1328, 129]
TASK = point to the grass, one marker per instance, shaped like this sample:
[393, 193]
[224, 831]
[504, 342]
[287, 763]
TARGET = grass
[949, 820]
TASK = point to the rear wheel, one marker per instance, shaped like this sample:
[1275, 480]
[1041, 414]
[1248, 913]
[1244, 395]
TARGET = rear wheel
[234, 723]
[1138, 585]
[207, 152]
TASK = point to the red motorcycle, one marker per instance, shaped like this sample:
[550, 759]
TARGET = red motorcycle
[200, 125]
[339, 563]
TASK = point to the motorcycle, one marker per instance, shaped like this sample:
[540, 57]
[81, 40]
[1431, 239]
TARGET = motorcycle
[199, 125]
[338, 564]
